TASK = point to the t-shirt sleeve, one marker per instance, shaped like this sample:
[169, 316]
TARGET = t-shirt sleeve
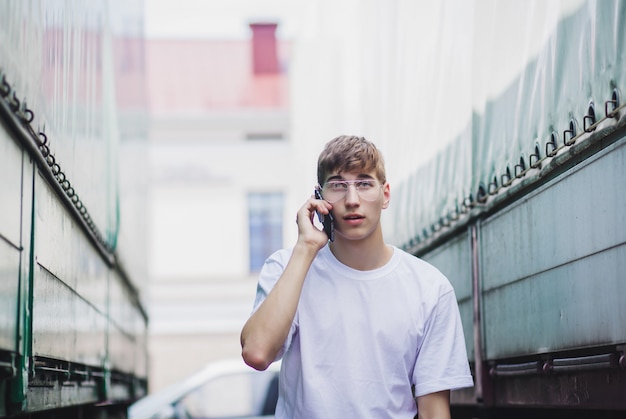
[442, 362]
[270, 273]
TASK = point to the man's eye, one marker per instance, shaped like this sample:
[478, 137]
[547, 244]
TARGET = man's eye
[338, 186]
[365, 184]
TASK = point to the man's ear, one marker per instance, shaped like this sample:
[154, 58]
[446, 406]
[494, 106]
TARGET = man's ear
[386, 195]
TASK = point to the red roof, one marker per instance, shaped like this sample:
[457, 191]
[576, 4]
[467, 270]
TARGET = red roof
[190, 75]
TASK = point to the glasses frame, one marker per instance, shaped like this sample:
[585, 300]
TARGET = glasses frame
[352, 182]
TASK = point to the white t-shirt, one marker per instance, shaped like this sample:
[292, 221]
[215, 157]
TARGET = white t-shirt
[361, 339]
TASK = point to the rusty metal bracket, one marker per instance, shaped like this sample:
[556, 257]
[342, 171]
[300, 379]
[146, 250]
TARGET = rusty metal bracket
[571, 131]
[551, 144]
[591, 117]
[614, 102]
[522, 168]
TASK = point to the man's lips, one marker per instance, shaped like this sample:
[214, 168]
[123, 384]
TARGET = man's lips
[353, 218]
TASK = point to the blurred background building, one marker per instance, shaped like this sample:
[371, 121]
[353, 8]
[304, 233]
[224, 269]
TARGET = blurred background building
[221, 157]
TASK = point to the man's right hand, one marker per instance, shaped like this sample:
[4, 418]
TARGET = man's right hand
[308, 233]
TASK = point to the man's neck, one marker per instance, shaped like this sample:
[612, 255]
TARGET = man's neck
[362, 255]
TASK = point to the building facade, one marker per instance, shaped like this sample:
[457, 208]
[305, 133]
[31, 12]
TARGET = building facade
[221, 151]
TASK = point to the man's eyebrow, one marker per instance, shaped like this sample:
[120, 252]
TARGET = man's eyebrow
[335, 178]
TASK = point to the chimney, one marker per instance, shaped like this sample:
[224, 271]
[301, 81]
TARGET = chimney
[264, 52]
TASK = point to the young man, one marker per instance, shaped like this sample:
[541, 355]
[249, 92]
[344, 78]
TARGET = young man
[363, 328]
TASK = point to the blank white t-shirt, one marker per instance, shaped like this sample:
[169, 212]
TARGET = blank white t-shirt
[361, 339]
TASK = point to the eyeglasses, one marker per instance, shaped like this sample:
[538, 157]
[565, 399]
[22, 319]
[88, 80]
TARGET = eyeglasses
[336, 190]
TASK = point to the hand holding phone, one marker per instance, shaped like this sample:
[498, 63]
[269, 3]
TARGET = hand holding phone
[327, 220]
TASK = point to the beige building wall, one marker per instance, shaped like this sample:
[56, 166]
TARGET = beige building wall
[202, 290]
[215, 136]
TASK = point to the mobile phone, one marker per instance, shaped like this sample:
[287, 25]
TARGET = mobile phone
[327, 220]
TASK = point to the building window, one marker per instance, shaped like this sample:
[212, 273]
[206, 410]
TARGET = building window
[265, 215]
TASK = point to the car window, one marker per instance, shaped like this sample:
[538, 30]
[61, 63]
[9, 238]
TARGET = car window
[242, 394]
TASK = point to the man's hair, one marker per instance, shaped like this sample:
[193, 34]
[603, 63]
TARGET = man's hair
[349, 153]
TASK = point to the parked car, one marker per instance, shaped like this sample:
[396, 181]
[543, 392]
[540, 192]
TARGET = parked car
[223, 389]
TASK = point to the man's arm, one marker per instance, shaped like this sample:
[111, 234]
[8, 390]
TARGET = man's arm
[434, 405]
[266, 330]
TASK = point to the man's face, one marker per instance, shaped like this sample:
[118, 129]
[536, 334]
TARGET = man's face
[358, 200]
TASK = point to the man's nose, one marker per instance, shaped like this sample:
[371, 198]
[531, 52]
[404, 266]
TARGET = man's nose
[352, 196]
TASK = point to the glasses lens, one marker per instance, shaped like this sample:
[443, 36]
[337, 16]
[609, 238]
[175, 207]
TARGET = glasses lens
[368, 190]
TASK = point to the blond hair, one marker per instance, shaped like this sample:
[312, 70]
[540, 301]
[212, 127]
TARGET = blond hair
[349, 153]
